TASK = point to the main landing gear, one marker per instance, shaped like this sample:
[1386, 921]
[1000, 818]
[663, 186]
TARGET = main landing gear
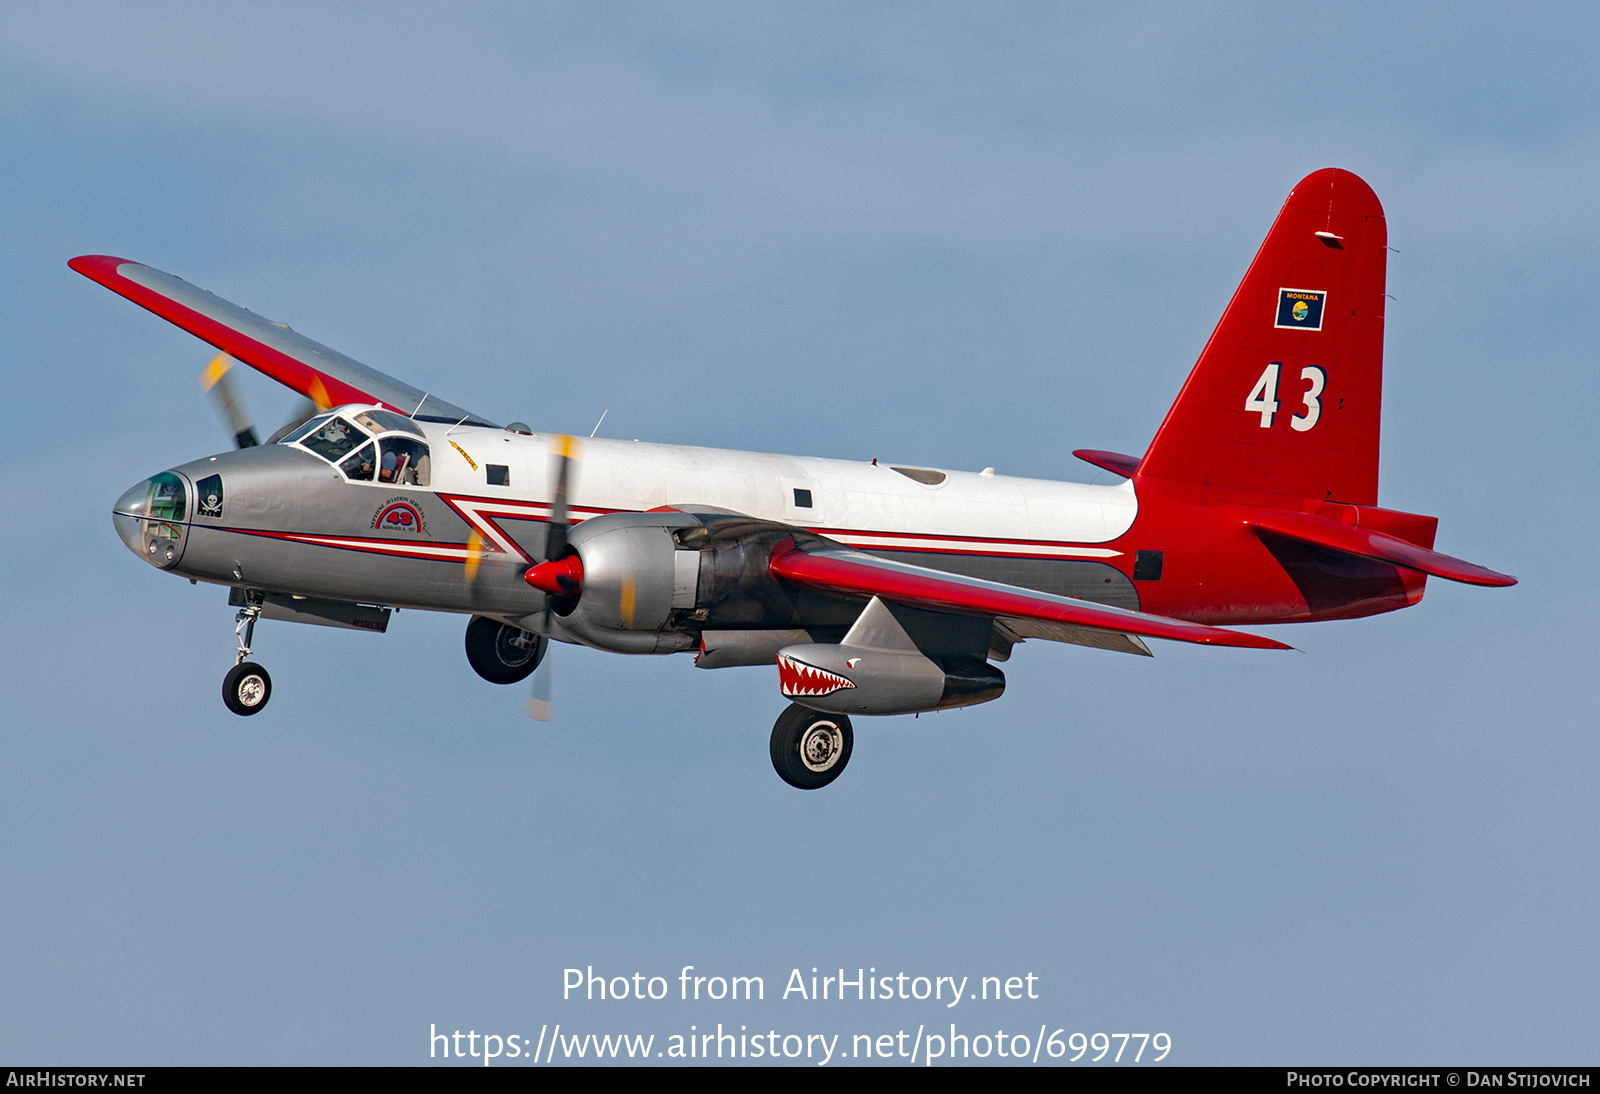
[247, 687]
[501, 653]
[809, 748]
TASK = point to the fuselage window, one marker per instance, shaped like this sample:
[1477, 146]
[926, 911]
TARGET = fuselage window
[333, 439]
[361, 465]
[208, 491]
[404, 462]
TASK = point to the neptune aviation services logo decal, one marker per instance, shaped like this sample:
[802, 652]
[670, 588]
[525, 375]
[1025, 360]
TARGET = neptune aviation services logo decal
[399, 515]
[1300, 309]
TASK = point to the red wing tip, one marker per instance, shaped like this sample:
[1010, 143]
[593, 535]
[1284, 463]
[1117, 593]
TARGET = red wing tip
[90, 265]
[1256, 642]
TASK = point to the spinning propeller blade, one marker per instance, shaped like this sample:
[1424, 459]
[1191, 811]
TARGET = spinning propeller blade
[304, 410]
[559, 576]
[556, 539]
[219, 383]
[540, 708]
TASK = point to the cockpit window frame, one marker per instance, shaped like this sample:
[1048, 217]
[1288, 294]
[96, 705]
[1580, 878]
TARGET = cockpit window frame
[380, 421]
[374, 430]
[315, 422]
[361, 437]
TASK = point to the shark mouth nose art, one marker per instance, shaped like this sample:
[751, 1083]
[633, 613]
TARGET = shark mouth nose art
[796, 679]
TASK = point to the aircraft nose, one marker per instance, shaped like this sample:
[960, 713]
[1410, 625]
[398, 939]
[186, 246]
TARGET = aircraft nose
[149, 517]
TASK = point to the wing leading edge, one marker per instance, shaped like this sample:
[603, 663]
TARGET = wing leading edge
[845, 572]
[325, 376]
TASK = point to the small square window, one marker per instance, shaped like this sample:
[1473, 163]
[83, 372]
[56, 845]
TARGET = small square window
[499, 474]
[1147, 566]
[802, 498]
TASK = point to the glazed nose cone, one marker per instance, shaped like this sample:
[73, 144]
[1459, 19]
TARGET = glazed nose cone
[129, 513]
[150, 519]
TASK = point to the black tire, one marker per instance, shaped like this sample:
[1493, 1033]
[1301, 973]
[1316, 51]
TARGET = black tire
[495, 657]
[246, 688]
[809, 748]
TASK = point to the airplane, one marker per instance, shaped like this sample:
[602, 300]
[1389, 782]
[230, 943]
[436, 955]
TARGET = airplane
[870, 589]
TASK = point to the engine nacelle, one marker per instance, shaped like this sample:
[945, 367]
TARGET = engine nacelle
[652, 582]
[843, 679]
[636, 578]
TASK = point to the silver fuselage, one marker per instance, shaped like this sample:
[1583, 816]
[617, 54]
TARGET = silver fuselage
[287, 521]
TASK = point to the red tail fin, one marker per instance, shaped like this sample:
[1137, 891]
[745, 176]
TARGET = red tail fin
[1286, 396]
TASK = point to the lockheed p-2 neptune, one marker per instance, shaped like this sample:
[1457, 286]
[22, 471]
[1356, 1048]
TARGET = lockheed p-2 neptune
[869, 588]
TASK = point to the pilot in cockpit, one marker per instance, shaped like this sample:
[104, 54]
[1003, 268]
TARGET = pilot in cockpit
[404, 461]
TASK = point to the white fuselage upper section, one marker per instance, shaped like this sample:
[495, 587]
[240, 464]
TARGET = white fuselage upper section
[866, 505]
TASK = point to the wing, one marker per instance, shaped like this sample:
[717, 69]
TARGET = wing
[326, 377]
[845, 572]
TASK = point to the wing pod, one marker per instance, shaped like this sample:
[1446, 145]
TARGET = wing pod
[878, 669]
[845, 572]
[323, 375]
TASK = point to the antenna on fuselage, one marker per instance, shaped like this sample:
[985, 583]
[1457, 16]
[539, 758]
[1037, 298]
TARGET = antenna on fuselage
[422, 400]
[596, 428]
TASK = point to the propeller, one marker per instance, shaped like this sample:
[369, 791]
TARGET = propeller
[219, 383]
[559, 576]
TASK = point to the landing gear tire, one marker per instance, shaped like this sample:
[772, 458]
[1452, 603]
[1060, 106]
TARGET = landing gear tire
[246, 688]
[501, 653]
[809, 748]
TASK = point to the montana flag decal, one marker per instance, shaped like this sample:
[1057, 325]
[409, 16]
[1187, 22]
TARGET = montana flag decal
[1300, 309]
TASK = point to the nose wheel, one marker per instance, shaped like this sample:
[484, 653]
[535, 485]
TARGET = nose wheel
[809, 748]
[247, 687]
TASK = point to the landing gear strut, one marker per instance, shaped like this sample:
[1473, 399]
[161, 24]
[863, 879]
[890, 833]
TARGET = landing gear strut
[810, 749]
[501, 653]
[247, 687]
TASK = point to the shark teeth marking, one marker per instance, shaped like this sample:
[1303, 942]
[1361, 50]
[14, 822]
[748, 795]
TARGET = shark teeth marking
[798, 680]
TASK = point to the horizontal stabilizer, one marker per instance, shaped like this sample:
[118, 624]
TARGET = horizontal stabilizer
[845, 572]
[1365, 543]
[327, 377]
[1114, 462]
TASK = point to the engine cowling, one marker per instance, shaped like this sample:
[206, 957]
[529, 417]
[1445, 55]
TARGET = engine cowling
[633, 579]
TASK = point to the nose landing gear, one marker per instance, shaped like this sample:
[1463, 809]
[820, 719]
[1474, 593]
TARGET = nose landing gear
[247, 687]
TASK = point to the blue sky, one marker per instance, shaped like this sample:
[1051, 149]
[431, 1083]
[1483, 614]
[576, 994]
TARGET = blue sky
[946, 235]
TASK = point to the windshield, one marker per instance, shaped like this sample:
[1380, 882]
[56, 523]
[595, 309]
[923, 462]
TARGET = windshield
[304, 429]
[333, 438]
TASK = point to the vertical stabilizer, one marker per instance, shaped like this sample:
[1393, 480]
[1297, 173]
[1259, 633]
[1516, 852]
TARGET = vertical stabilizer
[1286, 396]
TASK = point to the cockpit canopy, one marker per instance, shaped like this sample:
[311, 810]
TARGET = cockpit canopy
[373, 445]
